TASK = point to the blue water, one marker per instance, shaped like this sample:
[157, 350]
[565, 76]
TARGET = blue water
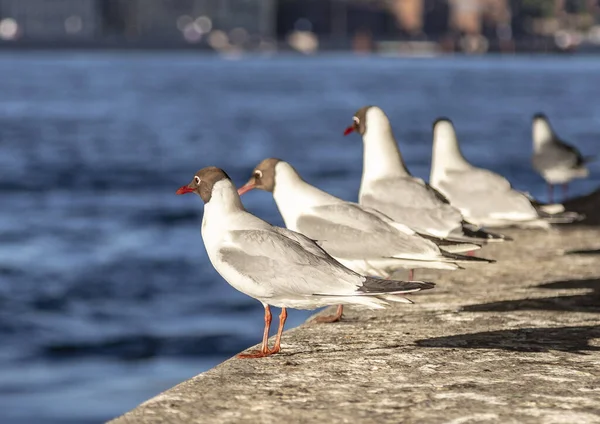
[107, 296]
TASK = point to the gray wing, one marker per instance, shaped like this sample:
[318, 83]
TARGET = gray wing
[412, 202]
[385, 218]
[485, 194]
[312, 245]
[412, 192]
[478, 179]
[347, 231]
[557, 155]
[283, 267]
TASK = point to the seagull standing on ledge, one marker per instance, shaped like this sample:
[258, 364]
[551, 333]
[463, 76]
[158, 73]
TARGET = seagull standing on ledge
[556, 161]
[388, 186]
[484, 197]
[361, 238]
[277, 266]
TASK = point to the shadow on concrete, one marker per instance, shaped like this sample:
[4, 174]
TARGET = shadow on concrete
[587, 302]
[583, 252]
[587, 205]
[566, 339]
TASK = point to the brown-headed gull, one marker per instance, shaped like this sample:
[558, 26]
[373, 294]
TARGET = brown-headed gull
[388, 186]
[484, 197]
[361, 238]
[277, 266]
[556, 161]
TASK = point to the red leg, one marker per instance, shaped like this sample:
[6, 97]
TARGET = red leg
[264, 351]
[470, 253]
[282, 318]
[565, 188]
[550, 193]
[411, 274]
[331, 318]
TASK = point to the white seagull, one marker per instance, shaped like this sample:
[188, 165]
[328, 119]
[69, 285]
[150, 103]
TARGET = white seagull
[363, 239]
[484, 197]
[277, 266]
[556, 161]
[388, 186]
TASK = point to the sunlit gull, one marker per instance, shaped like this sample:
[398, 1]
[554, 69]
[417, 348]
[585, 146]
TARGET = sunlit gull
[556, 161]
[484, 197]
[361, 238]
[388, 186]
[277, 266]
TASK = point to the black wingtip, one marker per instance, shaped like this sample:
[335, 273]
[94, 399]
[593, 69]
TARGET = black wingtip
[426, 285]
[465, 258]
[381, 286]
[540, 115]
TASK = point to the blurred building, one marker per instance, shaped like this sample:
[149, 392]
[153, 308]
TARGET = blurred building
[174, 18]
[49, 19]
[474, 26]
[226, 22]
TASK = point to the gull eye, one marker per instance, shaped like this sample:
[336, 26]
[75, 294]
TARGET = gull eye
[356, 120]
[197, 180]
[258, 173]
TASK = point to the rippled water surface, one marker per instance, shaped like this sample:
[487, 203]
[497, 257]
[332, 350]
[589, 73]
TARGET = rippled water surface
[107, 296]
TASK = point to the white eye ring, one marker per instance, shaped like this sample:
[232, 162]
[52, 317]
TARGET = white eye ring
[355, 118]
[258, 173]
[197, 179]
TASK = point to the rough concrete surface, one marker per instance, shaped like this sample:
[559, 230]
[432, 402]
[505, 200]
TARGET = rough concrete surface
[517, 341]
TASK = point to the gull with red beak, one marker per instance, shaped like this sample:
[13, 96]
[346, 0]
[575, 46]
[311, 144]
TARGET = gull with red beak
[364, 240]
[276, 266]
[388, 186]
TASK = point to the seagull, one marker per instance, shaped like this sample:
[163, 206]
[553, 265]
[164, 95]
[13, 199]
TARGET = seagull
[484, 197]
[388, 186]
[277, 266]
[556, 161]
[361, 238]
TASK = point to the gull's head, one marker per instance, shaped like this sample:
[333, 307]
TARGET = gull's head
[204, 182]
[443, 132]
[367, 117]
[263, 177]
[359, 121]
[446, 154]
[541, 129]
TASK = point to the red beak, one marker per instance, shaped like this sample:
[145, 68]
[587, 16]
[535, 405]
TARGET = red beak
[250, 185]
[184, 190]
[349, 130]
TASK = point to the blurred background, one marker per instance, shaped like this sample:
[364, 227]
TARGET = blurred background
[107, 296]
[234, 26]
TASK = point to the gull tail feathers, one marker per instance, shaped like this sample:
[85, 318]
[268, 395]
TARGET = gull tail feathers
[439, 262]
[396, 298]
[459, 248]
[452, 246]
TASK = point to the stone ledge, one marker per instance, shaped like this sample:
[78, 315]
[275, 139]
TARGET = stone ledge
[513, 342]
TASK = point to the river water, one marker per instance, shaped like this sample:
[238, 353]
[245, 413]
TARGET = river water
[107, 296]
